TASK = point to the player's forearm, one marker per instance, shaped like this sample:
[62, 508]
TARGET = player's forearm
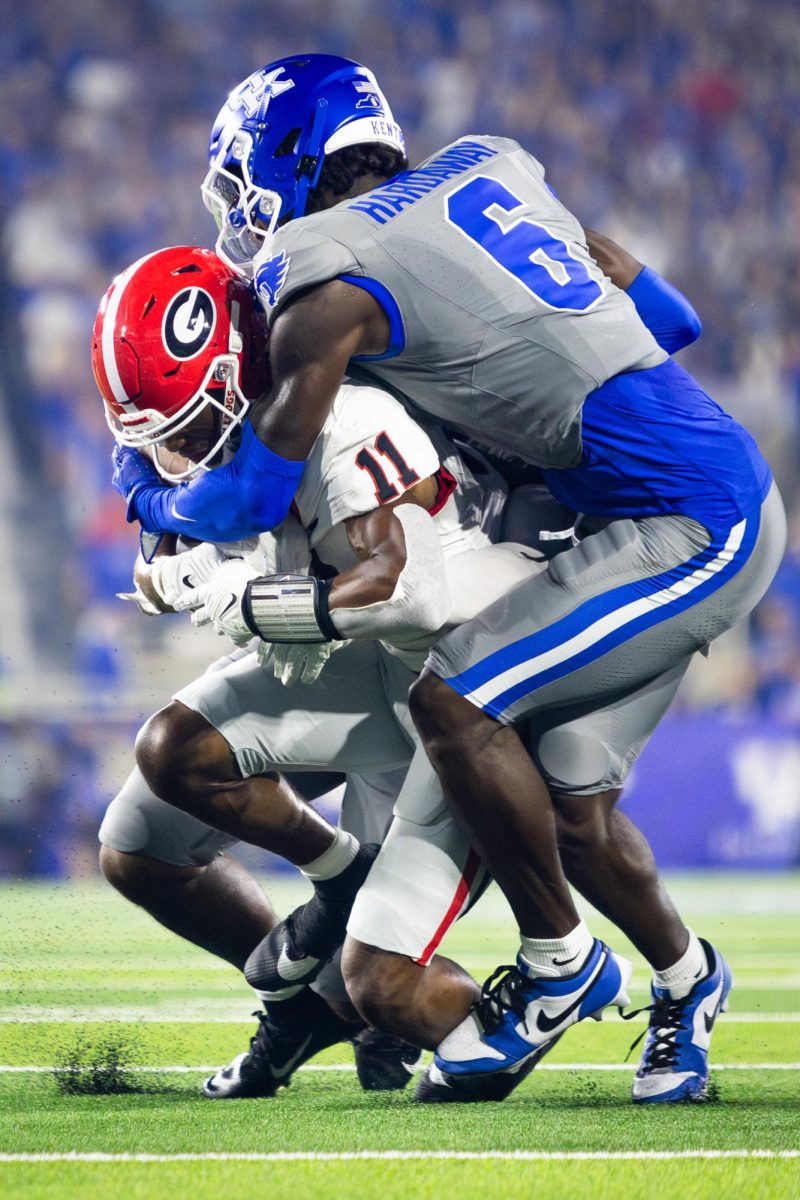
[247, 496]
[371, 582]
[293, 420]
[311, 344]
[665, 311]
[372, 601]
[399, 595]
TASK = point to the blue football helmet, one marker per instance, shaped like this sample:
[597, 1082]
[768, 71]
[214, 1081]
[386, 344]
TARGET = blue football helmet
[271, 138]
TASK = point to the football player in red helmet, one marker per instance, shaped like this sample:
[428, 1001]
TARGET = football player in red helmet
[179, 354]
[170, 360]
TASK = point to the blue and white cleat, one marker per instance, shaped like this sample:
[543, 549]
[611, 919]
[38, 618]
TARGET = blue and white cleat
[674, 1065]
[518, 1019]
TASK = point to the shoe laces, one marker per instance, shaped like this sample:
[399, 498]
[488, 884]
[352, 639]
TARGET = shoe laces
[261, 1045]
[501, 993]
[667, 1020]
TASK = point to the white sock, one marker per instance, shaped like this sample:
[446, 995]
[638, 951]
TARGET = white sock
[332, 861]
[556, 956]
[680, 978]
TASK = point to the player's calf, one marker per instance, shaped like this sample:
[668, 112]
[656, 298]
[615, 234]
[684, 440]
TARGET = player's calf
[190, 765]
[400, 997]
[293, 953]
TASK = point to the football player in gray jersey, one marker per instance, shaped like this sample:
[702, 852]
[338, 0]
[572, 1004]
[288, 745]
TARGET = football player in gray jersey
[468, 287]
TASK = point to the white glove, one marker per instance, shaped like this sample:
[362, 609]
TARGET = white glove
[221, 601]
[180, 578]
[296, 663]
[144, 602]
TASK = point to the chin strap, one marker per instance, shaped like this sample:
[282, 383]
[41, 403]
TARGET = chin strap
[310, 166]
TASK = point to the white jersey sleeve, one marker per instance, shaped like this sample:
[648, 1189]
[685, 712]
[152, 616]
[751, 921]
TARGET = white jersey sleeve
[369, 453]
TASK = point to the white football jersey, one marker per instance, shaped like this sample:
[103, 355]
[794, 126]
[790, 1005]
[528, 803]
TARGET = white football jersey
[370, 451]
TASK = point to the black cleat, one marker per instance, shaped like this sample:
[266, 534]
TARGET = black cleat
[436, 1088]
[384, 1063]
[287, 1036]
[293, 953]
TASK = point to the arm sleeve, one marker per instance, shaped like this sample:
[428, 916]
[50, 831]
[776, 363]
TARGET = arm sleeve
[665, 311]
[420, 603]
[247, 496]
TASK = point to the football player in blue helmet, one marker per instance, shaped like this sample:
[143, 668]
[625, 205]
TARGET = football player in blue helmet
[274, 135]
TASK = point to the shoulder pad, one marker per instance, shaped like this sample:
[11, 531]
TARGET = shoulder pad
[296, 258]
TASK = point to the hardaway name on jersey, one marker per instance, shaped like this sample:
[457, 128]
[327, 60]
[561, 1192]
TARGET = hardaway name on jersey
[501, 322]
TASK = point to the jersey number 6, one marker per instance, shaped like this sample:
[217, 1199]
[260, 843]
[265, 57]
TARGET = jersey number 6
[492, 217]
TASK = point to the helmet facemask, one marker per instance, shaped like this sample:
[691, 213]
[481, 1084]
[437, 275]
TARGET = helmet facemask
[246, 215]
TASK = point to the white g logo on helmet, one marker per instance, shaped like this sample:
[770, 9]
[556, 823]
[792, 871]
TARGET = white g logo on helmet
[188, 323]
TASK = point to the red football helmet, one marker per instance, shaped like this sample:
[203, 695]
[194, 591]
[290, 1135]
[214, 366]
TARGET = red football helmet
[176, 332]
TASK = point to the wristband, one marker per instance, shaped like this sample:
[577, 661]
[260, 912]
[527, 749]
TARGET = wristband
[289, 608]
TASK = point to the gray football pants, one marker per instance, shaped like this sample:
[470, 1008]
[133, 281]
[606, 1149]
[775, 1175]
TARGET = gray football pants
[589, 654]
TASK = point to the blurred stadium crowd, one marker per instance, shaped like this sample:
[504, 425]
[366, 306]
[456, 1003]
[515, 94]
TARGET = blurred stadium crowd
[675, 128]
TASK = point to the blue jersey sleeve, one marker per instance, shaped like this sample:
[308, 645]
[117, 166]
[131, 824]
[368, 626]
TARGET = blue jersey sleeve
[248, 496]
[665, 311]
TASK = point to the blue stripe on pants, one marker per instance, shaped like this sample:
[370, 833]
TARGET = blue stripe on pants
[585, 615]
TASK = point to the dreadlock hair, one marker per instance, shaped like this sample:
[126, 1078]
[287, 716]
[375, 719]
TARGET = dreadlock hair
[342, 168]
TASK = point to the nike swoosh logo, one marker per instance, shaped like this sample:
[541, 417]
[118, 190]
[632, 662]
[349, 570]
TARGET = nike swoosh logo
[563, 962]
[288, 1067]
[547, 1024]
[709, 1020]
[178, 516]
[186, 580]
[229, 605]
[290, 968]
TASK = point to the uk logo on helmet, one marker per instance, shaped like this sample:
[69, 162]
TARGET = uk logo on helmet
[259, 89]
[270, 278]
[188, 323]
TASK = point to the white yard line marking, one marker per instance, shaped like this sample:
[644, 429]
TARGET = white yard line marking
[743, 960]
[322, 1067]
[30, 1014]
[96, 1156]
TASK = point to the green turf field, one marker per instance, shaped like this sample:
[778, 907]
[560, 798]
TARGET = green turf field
[83, 975]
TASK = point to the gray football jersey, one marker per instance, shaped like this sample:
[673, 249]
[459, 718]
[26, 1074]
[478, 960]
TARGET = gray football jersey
[501, 321]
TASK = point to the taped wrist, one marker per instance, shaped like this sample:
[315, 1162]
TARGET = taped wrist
[289, 608]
